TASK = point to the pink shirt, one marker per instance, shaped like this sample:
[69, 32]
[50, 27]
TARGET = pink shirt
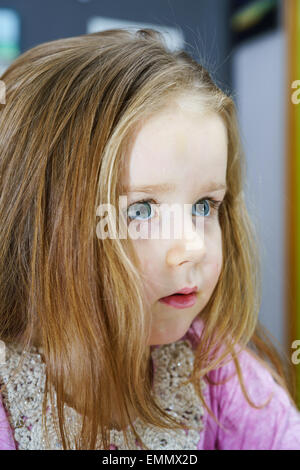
[276, 426]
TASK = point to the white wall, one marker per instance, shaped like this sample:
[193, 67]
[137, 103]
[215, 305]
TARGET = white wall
[259, 83]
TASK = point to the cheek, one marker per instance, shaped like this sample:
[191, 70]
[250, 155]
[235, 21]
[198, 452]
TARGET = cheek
[215, 260]
[145, 255]
[217, 267]
[149, 267]
[212, 273]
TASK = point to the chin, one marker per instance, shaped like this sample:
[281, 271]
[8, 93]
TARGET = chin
[168, 337]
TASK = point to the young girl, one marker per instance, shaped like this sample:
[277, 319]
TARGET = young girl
[100, 351]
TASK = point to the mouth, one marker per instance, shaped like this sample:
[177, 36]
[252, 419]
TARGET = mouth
[185, 298]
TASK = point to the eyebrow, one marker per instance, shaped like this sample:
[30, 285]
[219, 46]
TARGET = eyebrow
[167, 188]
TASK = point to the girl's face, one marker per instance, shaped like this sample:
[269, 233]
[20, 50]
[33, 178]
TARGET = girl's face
[188, 152]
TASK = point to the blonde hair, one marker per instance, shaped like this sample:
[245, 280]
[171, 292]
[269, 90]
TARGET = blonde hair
[72, 107]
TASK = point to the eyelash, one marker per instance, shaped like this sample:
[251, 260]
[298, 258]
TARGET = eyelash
[214, 204]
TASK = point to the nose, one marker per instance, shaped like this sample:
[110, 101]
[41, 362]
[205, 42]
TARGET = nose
[190, 247]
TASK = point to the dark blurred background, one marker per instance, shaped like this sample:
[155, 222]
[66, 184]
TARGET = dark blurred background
[205, 24]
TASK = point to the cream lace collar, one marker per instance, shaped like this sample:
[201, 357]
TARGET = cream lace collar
[173, 363]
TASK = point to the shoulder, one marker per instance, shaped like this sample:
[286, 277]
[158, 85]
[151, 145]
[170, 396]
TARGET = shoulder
[272, 423]
[253, 370]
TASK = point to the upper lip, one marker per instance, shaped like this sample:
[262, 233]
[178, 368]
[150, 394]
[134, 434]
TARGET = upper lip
[187, 290]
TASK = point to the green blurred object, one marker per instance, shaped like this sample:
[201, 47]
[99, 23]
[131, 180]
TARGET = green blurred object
[9, 37]
[8, 51]
[251, 15]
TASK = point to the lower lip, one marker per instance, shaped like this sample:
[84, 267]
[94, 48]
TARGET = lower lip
[180, 300]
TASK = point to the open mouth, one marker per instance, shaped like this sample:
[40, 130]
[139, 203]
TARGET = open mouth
[180, 300]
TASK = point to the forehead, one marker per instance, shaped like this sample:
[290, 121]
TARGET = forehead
[179, 145]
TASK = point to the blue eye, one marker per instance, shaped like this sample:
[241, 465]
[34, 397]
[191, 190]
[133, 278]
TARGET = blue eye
[200, 208]
[143, 209]
[139, 209]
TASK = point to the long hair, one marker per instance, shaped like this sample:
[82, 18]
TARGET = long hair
[72, 107]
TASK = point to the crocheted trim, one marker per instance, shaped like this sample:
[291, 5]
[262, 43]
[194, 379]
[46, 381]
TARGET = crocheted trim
[23, 398]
